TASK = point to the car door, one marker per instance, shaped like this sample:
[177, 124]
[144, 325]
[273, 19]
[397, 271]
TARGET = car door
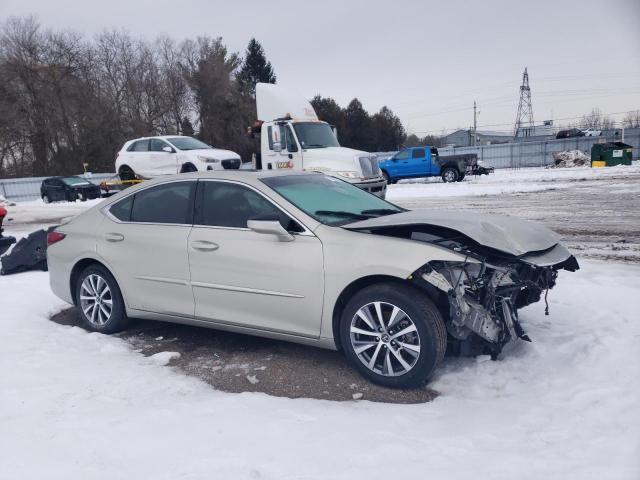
[250, 279]
[418, 164]
[290, 154]
[138, 158]
[144, 239]
[399, 164]
[57, 189]
[162, 162]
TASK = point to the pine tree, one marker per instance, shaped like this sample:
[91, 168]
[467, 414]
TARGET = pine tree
[255, 67]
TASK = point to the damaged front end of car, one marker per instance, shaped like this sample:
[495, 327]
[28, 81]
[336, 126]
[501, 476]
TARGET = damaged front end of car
[507, 264]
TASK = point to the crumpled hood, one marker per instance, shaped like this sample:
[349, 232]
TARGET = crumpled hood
[500, 232]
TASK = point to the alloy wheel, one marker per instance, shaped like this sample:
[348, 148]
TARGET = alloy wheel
[96, 300]
[385, 339]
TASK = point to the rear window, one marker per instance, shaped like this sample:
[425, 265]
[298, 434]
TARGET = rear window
[167, 203]
[139, 146]
[122, 209]
[418, 153]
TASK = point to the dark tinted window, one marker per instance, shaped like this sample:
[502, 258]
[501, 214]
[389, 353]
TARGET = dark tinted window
[232, 205]
[270, 135]
[157, 145]
[139, 146]
[122, 209]
[418, 153]
[168, 203]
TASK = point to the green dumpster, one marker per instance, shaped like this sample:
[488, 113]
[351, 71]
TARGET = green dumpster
[610, 154]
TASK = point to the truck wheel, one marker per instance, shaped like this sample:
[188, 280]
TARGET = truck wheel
[126, 174]
[461, 177]
[449, 175]
[393, 335]
[386, 176]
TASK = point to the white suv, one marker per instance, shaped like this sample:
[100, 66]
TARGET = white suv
[167, 155]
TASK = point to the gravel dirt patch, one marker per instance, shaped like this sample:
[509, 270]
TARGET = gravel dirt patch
[242, 363]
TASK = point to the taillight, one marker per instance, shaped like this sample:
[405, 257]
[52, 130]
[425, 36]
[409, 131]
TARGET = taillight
[54, 237]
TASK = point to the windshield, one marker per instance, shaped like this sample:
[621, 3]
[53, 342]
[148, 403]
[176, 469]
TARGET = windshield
[188, 143]
[315, 135]
[72, 181]
[330, 200]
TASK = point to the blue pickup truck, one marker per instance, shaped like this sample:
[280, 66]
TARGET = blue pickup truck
[419, 162]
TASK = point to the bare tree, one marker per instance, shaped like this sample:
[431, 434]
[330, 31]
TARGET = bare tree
[632, 119]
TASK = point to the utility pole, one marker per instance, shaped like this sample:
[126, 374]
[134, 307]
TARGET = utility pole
[525, 110]
[475, 123]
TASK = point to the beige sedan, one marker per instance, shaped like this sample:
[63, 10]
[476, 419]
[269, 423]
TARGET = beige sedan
[307, 258]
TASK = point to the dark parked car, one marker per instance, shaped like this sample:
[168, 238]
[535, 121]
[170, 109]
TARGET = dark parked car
[571, 132]
[68, 189]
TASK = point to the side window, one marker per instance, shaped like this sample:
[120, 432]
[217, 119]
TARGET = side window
[156, 145]
[402, 155]
[140, 146]
[292, 146]
[270, 136]
[232, 205]
[167, 203]
[418, 153]
[122, 209]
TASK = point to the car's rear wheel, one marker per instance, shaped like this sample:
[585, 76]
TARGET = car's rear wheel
[126, 174]
[393, 335]
[449, 175]
[461, 177]
[99, 300]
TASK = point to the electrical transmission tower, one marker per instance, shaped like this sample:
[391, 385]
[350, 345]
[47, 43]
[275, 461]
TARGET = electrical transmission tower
[525, 110]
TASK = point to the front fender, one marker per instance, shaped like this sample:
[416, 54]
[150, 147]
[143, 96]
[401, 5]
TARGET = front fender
[350, 256]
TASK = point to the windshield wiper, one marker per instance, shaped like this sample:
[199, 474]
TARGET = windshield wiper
[340, 213]
[380, 211]
[315, 145]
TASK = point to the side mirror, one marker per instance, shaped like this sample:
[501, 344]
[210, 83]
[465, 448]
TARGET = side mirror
[272, 227]
[167, 149]
[277, 147]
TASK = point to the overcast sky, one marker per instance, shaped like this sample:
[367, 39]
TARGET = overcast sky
[427, 60]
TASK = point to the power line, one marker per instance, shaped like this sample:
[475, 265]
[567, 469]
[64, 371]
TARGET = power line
[512, 124]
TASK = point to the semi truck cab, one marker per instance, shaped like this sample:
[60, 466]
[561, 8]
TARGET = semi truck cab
[294, 138]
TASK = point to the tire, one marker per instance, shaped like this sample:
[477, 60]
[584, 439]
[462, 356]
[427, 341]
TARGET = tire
[188, 168]
[461, 177]
[126, 173]
[428, 336]
[386, 176]
[449, 174]
[45, 198]
[101, 318]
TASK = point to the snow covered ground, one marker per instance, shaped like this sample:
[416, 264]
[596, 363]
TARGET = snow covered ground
[83, 405]
[509, 181]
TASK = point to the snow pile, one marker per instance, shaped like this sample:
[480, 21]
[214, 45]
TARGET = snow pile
[570, 158]
[565, 406]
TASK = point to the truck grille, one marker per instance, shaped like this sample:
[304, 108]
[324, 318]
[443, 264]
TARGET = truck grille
[370, 167]
[232, 164]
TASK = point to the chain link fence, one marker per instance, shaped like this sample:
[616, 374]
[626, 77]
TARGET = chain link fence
[537, 154]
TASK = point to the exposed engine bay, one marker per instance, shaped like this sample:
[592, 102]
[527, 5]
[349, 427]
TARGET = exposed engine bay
[479, 297]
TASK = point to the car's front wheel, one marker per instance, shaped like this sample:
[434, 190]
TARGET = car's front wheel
[99, 300]
[393, 334]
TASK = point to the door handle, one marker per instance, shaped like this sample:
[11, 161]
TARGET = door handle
[113, 237]
[204, 246]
